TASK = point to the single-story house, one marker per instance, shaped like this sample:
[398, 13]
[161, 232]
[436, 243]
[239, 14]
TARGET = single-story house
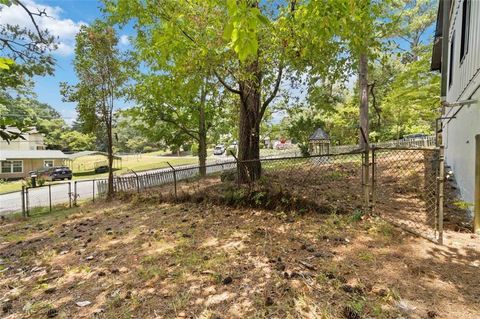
[18, 164]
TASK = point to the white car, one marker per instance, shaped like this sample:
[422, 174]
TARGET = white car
[219, 150]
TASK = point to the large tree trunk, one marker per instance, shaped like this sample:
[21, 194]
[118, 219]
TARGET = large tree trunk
[249, 129]
[363, 86]
[110, 160]
[251, 113]
[202, 133]
[249, 148]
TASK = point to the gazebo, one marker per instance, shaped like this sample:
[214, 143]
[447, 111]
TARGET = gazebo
[319, 142]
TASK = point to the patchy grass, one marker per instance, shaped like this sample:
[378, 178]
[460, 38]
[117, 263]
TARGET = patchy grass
[143, 162]
[138, 260]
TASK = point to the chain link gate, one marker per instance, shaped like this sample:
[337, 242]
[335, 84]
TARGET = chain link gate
[407, 189]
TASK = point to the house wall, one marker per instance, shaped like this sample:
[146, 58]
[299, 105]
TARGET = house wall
[459, 132]
[466, 75]
[459, 141]
[31, 142]
[30, 165]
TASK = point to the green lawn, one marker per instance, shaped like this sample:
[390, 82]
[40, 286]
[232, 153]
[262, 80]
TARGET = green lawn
[6, 187]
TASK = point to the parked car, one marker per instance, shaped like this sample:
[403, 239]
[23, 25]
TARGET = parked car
[54, 173]
[219, 150]
[101, 169]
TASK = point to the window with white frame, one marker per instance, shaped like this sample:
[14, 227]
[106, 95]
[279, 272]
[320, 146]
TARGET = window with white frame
[12, 166]
[48, 163]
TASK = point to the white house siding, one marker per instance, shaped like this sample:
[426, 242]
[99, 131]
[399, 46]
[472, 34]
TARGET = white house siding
[465, 73]
[459, 140]
[459, 133]
[30, 142]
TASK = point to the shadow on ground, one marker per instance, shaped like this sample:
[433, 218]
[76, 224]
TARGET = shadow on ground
[140, 259]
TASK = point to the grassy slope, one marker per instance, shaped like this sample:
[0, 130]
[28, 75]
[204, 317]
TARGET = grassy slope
[196, 260]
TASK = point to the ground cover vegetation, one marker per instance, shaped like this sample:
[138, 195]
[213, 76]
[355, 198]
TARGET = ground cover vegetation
[141, 257]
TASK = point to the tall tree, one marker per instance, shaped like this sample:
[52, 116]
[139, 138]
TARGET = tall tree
[411, 103]
[24, 52]
[369, 22]
[187, 104]
[246, 44]
[101, 78]
[361, 28]
[417, 16]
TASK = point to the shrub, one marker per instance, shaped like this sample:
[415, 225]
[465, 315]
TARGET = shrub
[304, 149]
[27, 181]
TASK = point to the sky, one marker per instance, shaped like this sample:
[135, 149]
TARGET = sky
[65, 17]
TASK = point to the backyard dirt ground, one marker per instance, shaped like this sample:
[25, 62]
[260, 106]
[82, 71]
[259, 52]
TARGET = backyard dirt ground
[142, 259]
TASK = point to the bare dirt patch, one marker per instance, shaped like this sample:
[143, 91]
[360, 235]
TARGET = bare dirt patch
[140, 259]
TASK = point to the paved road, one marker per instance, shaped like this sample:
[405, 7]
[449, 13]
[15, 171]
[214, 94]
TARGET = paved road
[60, 192]
[40, 197]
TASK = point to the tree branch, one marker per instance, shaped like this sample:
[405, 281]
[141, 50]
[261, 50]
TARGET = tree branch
[228, 87]
[30, 14]
[374, 102]
[193, 134]
[275, 90]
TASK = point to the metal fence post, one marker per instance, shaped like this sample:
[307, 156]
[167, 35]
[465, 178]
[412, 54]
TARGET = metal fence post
[27, 202]
[93, 188]
[50, 196]
[372, 191]
[138, 182]
[366, 169]
[75, 193]
[441, 180]
[70, 194]
[24, 212]
[366, 177]
[238, 167]
[174, 178]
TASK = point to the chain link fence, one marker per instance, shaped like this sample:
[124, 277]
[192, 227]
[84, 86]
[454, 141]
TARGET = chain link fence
[59, 195]
[407, 189]
[47, 196]
[327, 183]
[402, 185]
